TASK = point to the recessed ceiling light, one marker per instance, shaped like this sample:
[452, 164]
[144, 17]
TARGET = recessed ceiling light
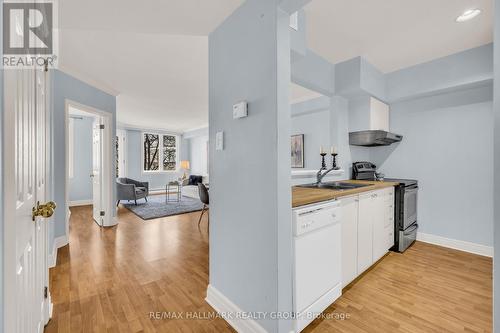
[468, 15]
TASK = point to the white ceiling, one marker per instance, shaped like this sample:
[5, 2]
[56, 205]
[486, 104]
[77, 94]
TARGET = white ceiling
[394, 34]
[154, 54]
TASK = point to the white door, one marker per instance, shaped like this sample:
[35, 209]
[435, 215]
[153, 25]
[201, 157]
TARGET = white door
[25, 176]
[365, 232]
[349, 208]
[97, 171]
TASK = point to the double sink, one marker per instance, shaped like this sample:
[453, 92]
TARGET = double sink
[338, 186]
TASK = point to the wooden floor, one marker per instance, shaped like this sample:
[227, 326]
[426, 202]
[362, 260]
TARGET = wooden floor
[112, 279]
[426, 289]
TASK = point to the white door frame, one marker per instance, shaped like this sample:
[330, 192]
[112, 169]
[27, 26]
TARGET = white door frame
[108, 155]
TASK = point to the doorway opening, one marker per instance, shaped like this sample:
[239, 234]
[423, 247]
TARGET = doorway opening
[89, 157]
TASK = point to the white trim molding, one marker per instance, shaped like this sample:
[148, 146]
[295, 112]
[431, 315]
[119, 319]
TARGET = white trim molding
[80, 203]
[228, 311]
[456, 244]
[58, 243]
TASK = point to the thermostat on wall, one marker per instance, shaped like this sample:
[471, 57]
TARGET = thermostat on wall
[240, 110]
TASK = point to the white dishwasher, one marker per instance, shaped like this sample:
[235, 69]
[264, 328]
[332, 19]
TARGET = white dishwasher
[317, 260]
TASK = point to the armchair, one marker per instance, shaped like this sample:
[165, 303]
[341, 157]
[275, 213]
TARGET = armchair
[129, 189]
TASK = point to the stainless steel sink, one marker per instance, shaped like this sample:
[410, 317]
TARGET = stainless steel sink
[339, 186]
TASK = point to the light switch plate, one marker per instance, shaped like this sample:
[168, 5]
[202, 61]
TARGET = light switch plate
[219, 141]
[240, 110]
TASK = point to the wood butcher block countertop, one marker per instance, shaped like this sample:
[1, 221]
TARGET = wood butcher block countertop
[302, 196]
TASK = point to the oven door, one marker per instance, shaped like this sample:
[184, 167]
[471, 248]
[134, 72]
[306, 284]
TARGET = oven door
[410, 206]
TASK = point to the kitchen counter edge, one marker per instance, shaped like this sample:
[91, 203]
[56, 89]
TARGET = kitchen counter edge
[302, 196]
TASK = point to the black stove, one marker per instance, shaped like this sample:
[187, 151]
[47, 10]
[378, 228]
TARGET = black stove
[405, 205]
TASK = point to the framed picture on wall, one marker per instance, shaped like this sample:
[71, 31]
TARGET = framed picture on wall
[297, 150]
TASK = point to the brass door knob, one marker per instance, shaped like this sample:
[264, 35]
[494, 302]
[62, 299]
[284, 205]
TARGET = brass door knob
[46, 210]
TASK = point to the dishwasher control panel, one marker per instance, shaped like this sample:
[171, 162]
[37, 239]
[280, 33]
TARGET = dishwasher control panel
[316, 216]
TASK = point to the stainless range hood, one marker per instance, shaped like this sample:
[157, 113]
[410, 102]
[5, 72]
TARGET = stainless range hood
[373, 138]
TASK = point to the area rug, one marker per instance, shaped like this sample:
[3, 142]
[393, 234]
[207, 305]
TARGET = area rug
[157, 207]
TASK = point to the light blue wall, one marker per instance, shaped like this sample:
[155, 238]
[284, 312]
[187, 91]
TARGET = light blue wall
[448, 148]
[325, 121]
[496, 265]
[250, 258]
[80, 186]
[312, 118]
[313, 72]
[157, 181]
[316, 129]
[470, 67]
[66, 87]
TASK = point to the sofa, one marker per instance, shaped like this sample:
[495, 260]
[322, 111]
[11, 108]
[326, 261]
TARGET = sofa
[129, 189]
[190, 185]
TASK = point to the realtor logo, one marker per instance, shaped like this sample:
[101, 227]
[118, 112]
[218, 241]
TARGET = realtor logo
[27, 28]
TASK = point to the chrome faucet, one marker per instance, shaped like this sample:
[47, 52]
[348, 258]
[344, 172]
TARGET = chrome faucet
[320, 175]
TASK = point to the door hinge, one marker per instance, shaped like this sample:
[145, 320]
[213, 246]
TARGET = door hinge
[101, 213]
[45, 292]
[101, 126]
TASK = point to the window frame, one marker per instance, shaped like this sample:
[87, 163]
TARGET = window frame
[160, 156]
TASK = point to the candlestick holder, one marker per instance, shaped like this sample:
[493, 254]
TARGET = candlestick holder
[334, 161]
[323, 163]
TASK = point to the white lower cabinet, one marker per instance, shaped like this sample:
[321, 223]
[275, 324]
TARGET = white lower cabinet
[367, 230]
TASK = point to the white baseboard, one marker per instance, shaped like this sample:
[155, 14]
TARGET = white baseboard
[80, 203]
[479, 249]
[58, 242]
[229, 311]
